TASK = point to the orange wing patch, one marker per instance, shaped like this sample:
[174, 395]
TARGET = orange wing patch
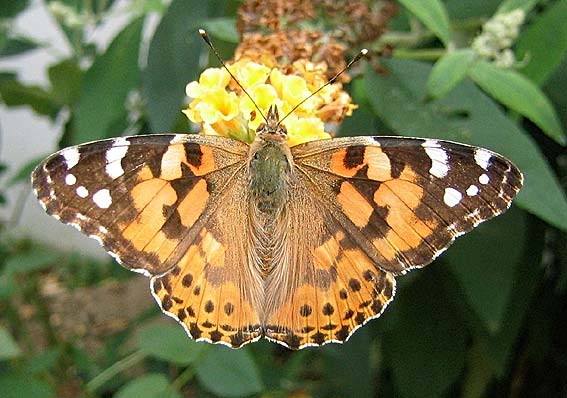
[341, 292]
[205, 294]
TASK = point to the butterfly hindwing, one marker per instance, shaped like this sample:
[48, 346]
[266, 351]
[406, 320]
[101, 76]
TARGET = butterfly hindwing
[215, 291]
[329, 286]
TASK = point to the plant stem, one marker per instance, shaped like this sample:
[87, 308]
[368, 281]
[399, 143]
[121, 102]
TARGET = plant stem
[114, 369]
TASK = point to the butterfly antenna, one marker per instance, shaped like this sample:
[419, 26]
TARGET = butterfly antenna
[207, 40]
[358, 56]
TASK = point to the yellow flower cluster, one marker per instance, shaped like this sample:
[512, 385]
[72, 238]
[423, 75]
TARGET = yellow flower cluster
[223, 108]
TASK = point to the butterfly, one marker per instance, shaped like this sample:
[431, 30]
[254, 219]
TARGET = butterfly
[301, 245]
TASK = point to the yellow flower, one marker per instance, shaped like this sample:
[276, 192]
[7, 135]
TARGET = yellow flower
[222, 107]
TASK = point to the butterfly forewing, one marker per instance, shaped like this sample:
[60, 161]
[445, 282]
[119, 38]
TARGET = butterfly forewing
[404, 200]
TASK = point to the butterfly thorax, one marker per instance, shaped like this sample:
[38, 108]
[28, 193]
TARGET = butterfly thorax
[270, 173]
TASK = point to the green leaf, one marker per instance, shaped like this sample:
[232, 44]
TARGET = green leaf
[222, 28]
[152, 385]
[348, 368]
[229, 373]
[14, 385]
[6, 76]
[173, 61]
[10, 8]
[106, 86]
[519, 94]
[431, 13]
[66, 78]
[485, 261]
[37, 258]
[429, 339]
[15, 93]
[511, 5]
[479, 374]
[169, 343]
[466, 115]
[45, 361]
[7, 285]
[449, 71]
[499, 347]
[8, 346]
[23, 175]
[17, 45]
[544, 43]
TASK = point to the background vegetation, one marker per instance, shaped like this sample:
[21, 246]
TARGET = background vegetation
[486, 319]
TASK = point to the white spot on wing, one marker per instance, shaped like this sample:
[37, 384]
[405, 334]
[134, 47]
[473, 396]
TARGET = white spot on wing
[70, 179]
[452, 197]
[439, 167]
[483, 179]
[82, 191]
[71, 156]
[482, 157]
[472, 190]
[178, 138]
[102, 198]
[114, 155]
[114, 169]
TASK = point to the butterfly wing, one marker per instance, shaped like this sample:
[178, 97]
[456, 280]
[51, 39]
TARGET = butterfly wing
[405, 200]
[161, 205]
[372, 208]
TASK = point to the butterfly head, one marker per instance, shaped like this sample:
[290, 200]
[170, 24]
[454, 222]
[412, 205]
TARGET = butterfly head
[272, 130]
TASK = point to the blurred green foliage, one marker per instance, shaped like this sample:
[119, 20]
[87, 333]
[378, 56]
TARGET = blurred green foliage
[487, 319]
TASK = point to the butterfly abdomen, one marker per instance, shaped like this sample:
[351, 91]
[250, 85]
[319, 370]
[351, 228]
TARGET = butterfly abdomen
[270, 173]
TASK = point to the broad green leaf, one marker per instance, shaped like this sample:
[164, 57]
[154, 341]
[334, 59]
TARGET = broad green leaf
[470, 10]
[485, 261]
[554, 87]
[66, 78]
[449, 71]
[152, 385]
[8, 346]
[499, 347]
[511, 5]
[106, 86]
[519, 94]
[17, 46]
[14, 93]
[37, 258]
[15, 385]
[229, 373]
[348, 367]
[173, 61]
[543, 45]
[429, 340]
[223, 29]
[431, 13]
[169, 343]
[466, 115]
